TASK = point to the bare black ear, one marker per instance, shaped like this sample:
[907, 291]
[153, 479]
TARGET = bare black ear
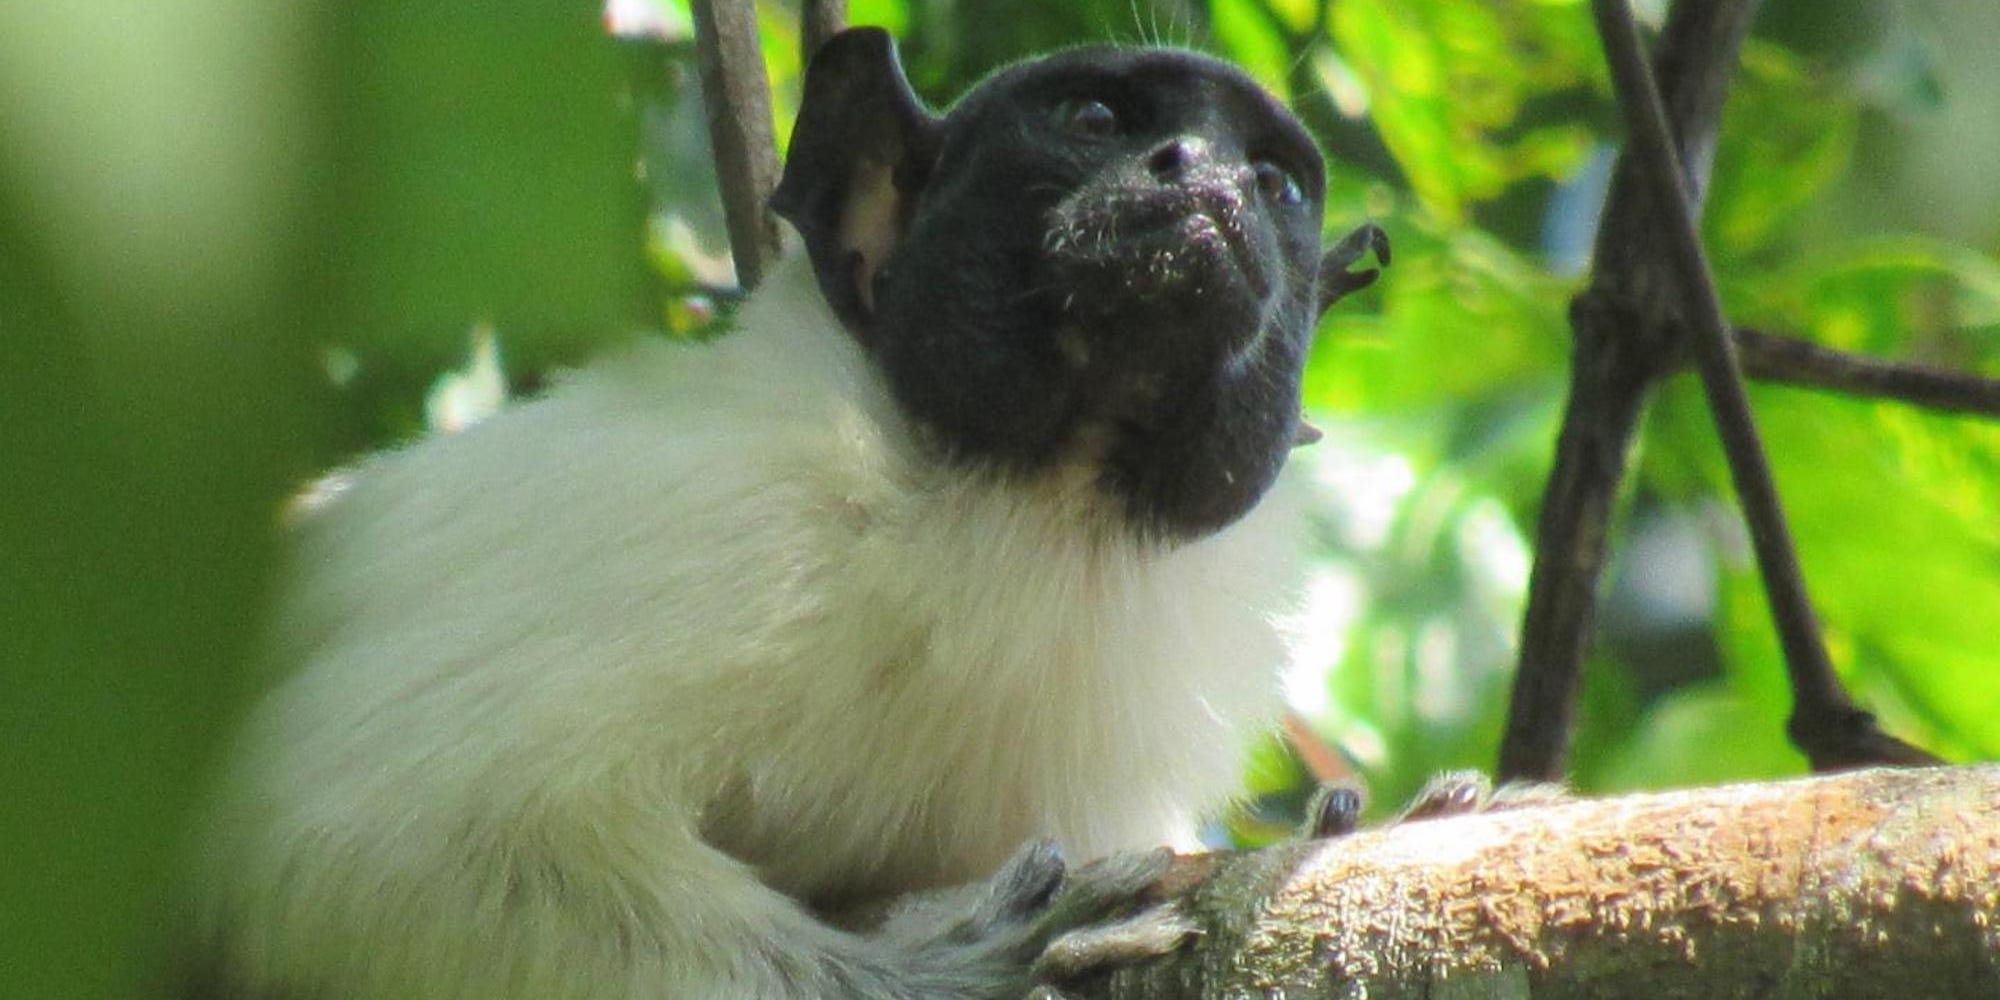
[861, 150]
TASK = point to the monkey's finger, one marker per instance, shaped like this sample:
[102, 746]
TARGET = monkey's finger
[1362, 240]
[1024, 886]
[1367, 236]
[1335, 280]
[1158, 931]
[1378, 241]
[1107, 886]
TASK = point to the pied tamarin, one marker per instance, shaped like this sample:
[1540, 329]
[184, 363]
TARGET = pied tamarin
[969, 537]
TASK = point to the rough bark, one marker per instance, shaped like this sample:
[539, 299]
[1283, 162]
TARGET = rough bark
[1882, 883]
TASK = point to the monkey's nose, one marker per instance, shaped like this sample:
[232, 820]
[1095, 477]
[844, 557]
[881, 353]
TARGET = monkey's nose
[1172, 161]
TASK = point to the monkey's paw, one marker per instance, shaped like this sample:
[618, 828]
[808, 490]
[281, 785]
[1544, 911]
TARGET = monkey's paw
[1036, 922]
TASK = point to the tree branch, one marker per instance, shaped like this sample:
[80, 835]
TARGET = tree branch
[1872, 884]
[1775, 358]
[819, 20]
[1623, 327]
[737, 96]
[1826, 725]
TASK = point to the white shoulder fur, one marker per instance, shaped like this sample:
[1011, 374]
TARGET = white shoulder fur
[713, 597]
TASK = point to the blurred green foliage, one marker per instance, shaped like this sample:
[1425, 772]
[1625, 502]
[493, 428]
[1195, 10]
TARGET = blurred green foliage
[241, 243]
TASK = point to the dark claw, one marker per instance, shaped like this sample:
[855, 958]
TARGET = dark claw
[1335, 811]
[1378, 241]
[1335, 280]
[1452, 793]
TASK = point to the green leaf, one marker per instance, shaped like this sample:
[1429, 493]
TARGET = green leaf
[1425, 655]
[1786, 136]
[484, 171]
[1896, 515]
[1892, 296]
[1702, 735]
[1453, 85]
[1462, 318]
[891, 14]
[1899, 532]
[1252, 41]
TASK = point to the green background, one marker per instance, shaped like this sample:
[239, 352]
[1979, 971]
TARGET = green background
[242, 243]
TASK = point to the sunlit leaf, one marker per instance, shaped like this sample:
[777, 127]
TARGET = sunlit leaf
[778, 32]
[1898, 523]
[1451, 83]
[891, 14]
[1786, 135]
[1462, 317]
[1251, 40]
[1703, 735]
[1896, 515]
[1425, 654]
[1892, 296]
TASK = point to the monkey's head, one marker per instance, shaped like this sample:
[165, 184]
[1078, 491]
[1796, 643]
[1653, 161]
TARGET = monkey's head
[1106, 256]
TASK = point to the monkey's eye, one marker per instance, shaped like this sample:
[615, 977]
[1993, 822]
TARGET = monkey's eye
[1277, 183]
[1087, 118]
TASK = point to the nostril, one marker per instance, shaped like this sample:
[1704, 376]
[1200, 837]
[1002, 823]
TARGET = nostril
[1170, 160]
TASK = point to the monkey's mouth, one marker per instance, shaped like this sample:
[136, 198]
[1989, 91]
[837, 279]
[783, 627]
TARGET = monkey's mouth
[1217, 230]
[1178, 249]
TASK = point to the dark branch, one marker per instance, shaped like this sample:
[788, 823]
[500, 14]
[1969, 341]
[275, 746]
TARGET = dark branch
[1775, 358]
[738, 100]
[1625, 343]
[1831, 730]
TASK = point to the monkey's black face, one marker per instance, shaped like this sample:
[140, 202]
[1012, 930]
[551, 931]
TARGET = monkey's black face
[1105, 256]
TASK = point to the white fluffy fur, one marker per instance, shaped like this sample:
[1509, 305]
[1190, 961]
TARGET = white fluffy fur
[700, 596]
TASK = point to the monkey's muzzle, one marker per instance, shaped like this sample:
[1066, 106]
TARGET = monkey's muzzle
[1181, 255]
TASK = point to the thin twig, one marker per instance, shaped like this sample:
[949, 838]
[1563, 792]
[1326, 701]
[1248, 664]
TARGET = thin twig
[1773, 357]
[738, 100]
[1825, 723]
